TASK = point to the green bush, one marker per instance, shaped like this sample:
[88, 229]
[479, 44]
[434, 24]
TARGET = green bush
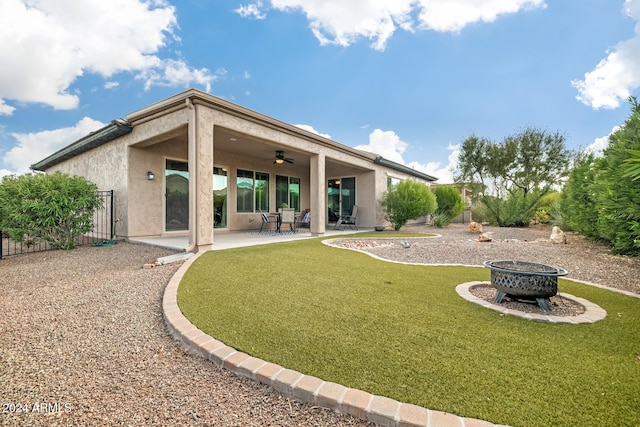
[56, 208]
[602, 196]
[579, 197]
[546, 208]
[407, 200]
[450, 203]
[481, 214]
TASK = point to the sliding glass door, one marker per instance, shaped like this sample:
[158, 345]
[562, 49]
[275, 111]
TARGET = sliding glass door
[176, 195]
[220, 197]
[341, 197]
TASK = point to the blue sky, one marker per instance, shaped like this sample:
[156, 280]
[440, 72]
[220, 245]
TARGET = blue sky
[407, 79]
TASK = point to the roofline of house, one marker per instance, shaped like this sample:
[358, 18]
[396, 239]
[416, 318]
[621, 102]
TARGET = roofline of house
[113, 130]
[196, 96]
[402, 168]
[118, 128]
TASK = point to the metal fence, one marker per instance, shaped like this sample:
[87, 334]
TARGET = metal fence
[103, 229]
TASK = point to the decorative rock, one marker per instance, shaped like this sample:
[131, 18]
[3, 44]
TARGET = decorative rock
[475, 227]
[557, 235]
[485, 237]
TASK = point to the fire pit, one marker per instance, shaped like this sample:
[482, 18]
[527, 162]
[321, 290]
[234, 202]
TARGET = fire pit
[525, 280]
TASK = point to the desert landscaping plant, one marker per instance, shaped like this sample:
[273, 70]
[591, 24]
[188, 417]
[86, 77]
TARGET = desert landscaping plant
[511, 177]
[56, 208]
[602, 196]
[407, 200]
[450, 204]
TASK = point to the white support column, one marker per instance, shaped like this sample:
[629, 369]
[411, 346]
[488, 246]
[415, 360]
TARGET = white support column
[318, 195]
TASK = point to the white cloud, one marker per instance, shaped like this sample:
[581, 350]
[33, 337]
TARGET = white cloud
[6, 110]
[312, 130]
[252, 11]
[389, 145]
[386, 144]
[452, 15]
[111, 85]
[341, 23]
[33, 147]
[50, 44]
[172, 73]
[617, 75]
[598, 146]
[5, 172]
[444, 174]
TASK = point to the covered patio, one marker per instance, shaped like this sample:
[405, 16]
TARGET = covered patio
[198, 167]
[237, 239]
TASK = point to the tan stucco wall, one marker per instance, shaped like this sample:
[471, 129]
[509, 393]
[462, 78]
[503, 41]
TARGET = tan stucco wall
[187, 132]
[106, 166]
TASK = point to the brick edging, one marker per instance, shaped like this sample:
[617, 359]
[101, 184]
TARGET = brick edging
[295, 385]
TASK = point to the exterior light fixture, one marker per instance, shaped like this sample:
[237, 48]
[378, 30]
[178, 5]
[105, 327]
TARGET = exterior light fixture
[150, 175]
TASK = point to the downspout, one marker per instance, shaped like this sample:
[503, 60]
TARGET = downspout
[193, 176]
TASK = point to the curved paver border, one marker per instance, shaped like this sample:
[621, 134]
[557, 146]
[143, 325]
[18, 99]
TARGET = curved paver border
[592, 313]
[295, 385]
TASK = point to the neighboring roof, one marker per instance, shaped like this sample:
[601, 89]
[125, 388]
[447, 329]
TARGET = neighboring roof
[402, 168]
[113, 130]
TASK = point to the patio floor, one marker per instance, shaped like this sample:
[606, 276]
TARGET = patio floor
[236, 239]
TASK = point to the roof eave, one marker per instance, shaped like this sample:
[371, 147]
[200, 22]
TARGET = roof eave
[113, 130]
[405, 169]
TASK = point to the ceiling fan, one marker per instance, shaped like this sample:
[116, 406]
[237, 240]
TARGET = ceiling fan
[280, 158]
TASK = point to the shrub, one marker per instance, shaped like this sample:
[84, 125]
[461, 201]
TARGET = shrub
[407, 200]
[56, 208]
[450, 203]
[544, 210]
[440, 220]
[602, 196]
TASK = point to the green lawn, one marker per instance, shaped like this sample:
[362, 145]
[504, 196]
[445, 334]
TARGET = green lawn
[402, 331]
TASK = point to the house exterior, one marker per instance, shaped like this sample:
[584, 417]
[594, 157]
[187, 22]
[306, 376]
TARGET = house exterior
[196, 165]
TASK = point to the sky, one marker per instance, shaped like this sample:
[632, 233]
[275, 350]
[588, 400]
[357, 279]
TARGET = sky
[407, 79]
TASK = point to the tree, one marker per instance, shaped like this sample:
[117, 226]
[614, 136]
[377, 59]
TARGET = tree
[512, 176]
[56, 208]
[407, 200]
[450, 203]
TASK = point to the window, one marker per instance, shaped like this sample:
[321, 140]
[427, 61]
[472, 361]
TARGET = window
[244, 188]
[262, 191]
[288, 191]
[252, 191]
[391, 181]
[219, 197]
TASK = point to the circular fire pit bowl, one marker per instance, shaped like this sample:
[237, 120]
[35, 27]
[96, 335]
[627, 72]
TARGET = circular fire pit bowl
[525, 280]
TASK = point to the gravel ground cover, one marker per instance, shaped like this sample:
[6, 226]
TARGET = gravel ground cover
[84, 341]
[585, 260]
[84, 344]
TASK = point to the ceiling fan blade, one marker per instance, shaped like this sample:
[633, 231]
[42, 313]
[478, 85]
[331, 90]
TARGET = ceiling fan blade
[288, 160]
